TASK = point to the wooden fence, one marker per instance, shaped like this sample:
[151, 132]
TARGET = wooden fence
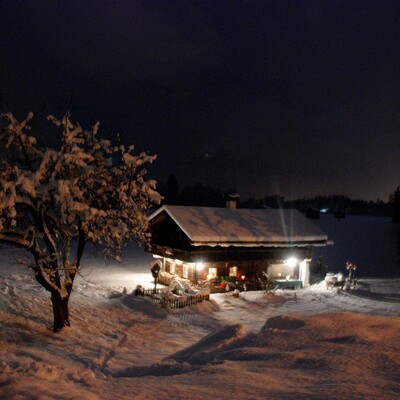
[155, 296]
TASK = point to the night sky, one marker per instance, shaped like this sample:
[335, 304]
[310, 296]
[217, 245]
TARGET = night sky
[297, 98]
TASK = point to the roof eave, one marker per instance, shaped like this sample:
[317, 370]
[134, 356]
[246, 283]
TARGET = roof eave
[260, 244]
[165, 208]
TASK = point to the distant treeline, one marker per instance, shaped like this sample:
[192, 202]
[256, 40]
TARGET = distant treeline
[206, 196]
[338, 204]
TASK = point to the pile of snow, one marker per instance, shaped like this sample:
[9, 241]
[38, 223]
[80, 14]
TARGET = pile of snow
[309, 343]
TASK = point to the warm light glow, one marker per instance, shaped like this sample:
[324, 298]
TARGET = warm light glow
[233, 271]
[199, 266]
[212, 273]
[291, 262]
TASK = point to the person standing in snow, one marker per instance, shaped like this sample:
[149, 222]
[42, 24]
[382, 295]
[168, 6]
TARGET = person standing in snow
[351, 267]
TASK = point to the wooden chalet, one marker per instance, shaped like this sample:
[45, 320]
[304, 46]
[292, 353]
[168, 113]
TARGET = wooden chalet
[207, 243]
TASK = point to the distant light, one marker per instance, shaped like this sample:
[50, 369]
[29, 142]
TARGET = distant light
[291, 262]
[324, 210]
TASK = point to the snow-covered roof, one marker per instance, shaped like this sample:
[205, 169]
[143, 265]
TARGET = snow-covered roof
[244, 227]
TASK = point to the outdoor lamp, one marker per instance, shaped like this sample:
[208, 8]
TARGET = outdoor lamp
[292, 262]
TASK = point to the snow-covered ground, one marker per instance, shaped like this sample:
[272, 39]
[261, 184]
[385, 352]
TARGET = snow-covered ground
[312, 343]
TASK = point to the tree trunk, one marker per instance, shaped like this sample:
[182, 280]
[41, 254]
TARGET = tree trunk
[60, 312]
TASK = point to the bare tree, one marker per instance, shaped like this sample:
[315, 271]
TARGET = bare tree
[52, 202]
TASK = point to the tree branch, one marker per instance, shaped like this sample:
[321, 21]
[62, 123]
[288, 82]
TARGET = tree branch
[15, 239]
[78, 255]
[41, 277]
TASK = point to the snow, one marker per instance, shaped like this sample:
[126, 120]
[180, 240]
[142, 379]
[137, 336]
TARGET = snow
[310, 343]
[241, 227]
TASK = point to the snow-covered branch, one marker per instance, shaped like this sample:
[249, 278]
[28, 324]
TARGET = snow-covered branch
[88, 189]
[15, 239]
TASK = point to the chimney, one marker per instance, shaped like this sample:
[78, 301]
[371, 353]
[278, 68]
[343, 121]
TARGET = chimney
[231, 199]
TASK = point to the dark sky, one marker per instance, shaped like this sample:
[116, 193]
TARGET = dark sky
[297, 98]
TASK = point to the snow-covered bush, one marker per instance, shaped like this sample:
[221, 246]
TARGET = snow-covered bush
[166, 278]
[54, 201]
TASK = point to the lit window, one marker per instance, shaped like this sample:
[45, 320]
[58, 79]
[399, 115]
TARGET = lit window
[212, 273]
[233, 271]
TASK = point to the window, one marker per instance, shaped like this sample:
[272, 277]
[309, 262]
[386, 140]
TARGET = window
[212, 273]
[233, 271]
